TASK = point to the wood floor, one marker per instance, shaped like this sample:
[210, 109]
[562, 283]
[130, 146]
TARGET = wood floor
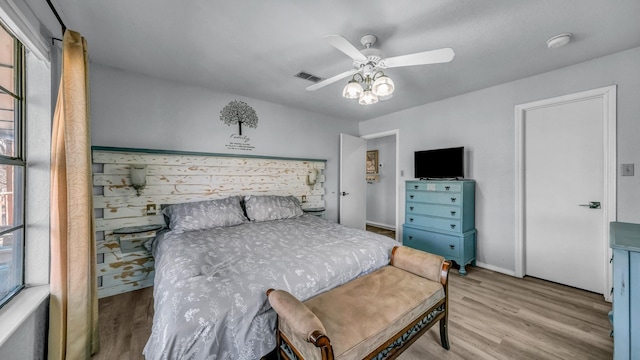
[381, 231]
[125, 324]
[491, 316]
[496, 316]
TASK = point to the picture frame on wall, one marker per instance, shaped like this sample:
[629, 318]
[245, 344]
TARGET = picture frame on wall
[372, 166]
[372, 162]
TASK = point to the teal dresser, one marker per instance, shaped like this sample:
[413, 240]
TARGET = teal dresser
[440, 219]
[625, 242]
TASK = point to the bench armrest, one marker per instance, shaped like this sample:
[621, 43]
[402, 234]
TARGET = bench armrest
[302, 320]
[421, 263]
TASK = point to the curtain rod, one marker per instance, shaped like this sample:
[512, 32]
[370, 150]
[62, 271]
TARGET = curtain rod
[53, 9]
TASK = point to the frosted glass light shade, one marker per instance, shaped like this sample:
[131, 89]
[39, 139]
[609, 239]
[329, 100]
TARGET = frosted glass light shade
[383, 86]
[139, 175]
[352, 90]
[368, 98]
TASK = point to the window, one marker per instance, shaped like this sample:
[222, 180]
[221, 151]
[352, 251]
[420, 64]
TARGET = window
[12, 165]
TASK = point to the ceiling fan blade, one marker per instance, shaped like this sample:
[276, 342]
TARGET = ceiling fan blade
[345, 46]
[331, 80]
[422, 58]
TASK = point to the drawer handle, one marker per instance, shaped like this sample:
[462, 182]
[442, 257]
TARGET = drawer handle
[453, 226]
[410, 219]
[453, 199]
[411, 196]
[415, 186]
[410, 237]
[411, 208]
[447, 188]
[453, 213]
[452, 247]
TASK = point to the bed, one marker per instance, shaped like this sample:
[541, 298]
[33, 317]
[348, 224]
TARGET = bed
[211, 275]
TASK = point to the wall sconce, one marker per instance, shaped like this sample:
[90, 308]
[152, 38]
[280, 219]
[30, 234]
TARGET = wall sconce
[138, 177]
[312, 176]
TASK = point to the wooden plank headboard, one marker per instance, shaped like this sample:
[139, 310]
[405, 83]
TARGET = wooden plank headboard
[177, 177]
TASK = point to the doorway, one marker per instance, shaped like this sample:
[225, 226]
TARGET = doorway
[353, 184]
[381, 185]
[389, 178]
[565, 188]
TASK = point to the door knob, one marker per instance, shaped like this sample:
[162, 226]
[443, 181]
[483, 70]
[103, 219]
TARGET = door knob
[345, 193]
[592, 205]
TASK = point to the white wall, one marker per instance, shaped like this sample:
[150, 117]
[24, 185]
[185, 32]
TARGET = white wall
[28, 341]
[132, 110]
[483, 122]
[381, 196]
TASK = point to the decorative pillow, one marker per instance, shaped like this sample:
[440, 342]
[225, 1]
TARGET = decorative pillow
[271, 207]
[205, 214]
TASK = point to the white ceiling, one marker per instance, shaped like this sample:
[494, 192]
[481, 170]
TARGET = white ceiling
[253, 48]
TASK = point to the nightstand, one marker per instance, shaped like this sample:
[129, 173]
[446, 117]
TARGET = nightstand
[133, 238]
[319, 211]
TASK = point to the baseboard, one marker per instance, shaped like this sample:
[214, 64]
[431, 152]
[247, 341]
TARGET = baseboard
[382, 226]
[496, 269]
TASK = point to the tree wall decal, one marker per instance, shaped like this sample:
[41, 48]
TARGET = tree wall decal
[239, 112]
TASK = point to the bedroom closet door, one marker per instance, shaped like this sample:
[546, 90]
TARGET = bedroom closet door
[353, 196]
[565, 198]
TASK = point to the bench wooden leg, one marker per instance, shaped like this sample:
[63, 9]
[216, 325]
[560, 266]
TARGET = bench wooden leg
[444, 332]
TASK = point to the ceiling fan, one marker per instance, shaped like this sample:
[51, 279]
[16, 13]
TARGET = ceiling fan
[368, 64]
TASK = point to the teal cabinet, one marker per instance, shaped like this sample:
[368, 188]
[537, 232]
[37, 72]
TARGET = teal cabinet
[625, 242]
[440, 219]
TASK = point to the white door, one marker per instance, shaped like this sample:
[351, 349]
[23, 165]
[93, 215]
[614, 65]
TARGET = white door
[353, 197]
[564, 193]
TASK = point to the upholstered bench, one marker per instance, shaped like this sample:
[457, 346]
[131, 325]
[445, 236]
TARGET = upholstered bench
[376, 316]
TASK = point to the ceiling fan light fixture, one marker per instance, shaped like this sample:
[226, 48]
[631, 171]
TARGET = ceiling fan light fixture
[353, 90]
[369, 84]
[383, 86]
[368, 98]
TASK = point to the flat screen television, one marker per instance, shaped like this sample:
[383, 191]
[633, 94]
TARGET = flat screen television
[440, 163]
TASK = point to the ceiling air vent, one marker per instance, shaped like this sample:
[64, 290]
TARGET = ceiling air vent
[307, 76]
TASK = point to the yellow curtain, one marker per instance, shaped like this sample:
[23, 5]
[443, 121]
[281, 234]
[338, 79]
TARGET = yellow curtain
[73, 314]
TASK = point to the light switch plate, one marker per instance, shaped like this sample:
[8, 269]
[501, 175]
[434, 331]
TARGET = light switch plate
[627, 169]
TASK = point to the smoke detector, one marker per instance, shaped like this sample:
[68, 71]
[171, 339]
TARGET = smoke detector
[559, 40]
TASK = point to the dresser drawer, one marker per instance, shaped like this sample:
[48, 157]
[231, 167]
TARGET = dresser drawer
[447, 246]
[445, 211]
[434, 186]
[434, 197]
[437, 223]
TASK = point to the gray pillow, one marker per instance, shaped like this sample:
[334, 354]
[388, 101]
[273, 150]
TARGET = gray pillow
[204, 215]
[271, 207]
